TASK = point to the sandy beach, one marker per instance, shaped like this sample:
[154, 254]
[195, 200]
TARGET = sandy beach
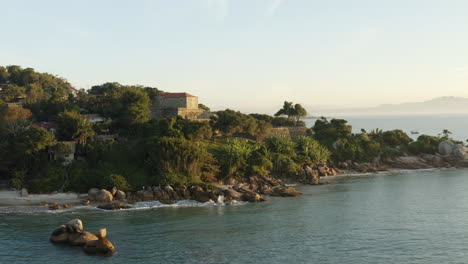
[13, 198]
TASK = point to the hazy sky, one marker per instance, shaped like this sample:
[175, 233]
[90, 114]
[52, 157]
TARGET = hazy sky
[249, 54]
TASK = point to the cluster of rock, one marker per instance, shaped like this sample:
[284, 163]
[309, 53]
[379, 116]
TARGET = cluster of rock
[105, 195]
[253, 189]
[449, 155]
[361, 167]
[55, 206]
[72, 233]
[311, 175]
[457, 151]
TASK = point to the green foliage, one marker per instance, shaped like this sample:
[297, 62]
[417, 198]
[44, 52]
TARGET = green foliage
[135, 106]
[395, 138]
[259, 163]
[282, 145]
[230, 123]
[292, 111]
[73, 126]
[195, 130]
[312, 149]
[18, 179]
[286, 122]
[328, 132]
[178, 161]
[359, 148]
[283, 155]
[52, 179]
[11, 91]
[204, 107]
[284, 165]
[233, 158]
[425, 144]
[34, 140]
[126, 105]
[118, 181]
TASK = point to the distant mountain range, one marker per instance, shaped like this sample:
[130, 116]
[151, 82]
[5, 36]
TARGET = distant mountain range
[440, 105]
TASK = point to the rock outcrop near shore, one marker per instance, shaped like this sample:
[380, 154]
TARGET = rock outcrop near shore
[252, 189]
[72, 233]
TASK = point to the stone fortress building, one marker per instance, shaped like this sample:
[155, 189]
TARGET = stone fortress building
[176, 104]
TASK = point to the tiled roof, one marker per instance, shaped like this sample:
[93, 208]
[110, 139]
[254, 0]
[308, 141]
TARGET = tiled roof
[176, 95]
[45, 125]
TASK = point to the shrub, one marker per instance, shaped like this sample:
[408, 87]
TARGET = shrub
[312, 149]
[179, 162]
[53, 180]
[395, 138]
[118, 181]
[18, 179]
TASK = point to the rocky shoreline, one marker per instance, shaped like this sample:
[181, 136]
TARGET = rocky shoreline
[253, 189]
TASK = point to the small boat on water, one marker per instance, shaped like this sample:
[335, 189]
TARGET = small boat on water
[414, 132]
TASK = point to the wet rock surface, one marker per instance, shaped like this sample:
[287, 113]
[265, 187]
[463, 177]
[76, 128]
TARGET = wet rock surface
[73, 234]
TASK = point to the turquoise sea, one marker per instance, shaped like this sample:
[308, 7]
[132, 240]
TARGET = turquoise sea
[393, 217]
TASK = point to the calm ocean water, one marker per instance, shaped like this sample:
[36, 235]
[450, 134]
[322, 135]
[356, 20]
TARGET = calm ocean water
[396, 217]
[429, 125]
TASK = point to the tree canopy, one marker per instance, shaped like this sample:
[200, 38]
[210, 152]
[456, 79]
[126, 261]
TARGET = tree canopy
[292, 111]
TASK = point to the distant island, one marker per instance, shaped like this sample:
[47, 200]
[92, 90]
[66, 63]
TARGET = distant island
[439, 105]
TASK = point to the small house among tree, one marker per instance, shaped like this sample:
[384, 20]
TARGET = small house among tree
[63, 151]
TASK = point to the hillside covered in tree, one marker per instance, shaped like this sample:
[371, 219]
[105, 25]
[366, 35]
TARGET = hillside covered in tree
[54, 137]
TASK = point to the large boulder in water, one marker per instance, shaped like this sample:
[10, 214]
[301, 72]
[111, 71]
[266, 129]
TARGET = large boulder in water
[73, 234]
[80, 239]
[101, 233]
[60, 235]
[75, 225]
[285, 192]
[101, 246]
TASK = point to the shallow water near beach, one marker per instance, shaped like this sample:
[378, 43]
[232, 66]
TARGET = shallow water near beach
[396, 217]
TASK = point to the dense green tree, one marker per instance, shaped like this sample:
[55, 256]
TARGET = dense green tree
[294, 112]
[195, 130]
[34, 140]
[233, 158]
[11, 92]
[135, 106]
[231, 122]
[312, 150]
[328, 132]
[204, 107]
[73, 126]
[176, 161]
[394, 138]
[4, 75]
